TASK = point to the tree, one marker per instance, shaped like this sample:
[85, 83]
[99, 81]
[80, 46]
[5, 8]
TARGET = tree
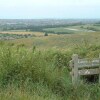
[46, 34]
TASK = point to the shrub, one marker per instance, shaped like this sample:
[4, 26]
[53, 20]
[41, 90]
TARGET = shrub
[46, 34]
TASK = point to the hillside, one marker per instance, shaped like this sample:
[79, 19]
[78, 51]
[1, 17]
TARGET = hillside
[35, 66]
[31, 74]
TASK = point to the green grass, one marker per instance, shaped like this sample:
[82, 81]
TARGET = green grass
[61, 29]
[78, 29]
[38, 68]
[31, 74]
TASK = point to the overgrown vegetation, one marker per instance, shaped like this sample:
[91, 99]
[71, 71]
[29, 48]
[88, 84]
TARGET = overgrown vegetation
[31, 74]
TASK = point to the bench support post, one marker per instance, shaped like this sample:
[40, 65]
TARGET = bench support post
[75, 69]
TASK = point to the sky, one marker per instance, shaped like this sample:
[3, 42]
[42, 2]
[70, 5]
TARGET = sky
[41, 9]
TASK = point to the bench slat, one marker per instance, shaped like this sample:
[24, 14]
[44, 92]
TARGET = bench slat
[82, 63]
[89, 71]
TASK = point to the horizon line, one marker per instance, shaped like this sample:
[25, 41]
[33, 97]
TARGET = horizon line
[46, 18]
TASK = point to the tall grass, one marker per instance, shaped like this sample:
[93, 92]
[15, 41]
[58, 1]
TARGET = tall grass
[30, 74]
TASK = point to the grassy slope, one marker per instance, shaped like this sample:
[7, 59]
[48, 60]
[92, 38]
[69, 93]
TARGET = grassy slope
[59, 41]
[31, 74]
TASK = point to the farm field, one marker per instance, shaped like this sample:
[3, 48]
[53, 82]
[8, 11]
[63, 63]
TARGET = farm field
[64, 41]
[73, 35]
[75, 29]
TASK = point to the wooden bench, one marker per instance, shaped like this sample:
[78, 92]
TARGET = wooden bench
[83, 67]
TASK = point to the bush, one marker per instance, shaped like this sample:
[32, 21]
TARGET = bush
[46, 34]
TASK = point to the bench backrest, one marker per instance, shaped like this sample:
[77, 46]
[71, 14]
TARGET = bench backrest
[84, 67]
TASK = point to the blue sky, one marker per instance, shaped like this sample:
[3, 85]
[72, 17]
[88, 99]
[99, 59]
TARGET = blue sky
[23, 9]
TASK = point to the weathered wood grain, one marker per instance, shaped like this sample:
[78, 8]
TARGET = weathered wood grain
[83, 63]
[89, 71]
[84, 67]
[75, 69]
